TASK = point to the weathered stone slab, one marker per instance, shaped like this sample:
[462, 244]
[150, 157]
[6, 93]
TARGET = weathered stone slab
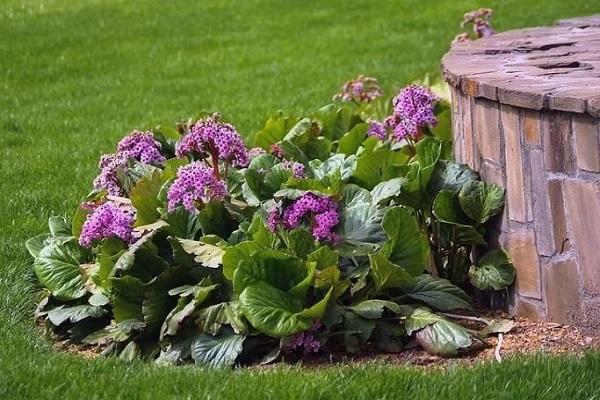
[561, 277]
[526, 260]
[558, 152]
[515, 195]
[555, 68]
[587, 147]
[531, 127]
[486, 129]
[583, 210]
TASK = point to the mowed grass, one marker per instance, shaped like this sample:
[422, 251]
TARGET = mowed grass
[75, 76]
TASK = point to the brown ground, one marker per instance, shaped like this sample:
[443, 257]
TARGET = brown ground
[527, 336]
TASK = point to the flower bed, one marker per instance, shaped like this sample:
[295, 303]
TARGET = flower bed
[347, 228]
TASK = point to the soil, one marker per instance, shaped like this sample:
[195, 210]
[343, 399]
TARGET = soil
[526, 337]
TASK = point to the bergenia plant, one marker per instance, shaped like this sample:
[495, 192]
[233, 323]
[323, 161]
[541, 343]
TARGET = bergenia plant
[344, 230]
[482, 27]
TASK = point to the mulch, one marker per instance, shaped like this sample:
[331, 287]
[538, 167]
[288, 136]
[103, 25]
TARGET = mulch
[526, 337]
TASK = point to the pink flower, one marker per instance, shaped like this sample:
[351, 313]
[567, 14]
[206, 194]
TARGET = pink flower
[108, 220]
[194, 183]
[211, 137]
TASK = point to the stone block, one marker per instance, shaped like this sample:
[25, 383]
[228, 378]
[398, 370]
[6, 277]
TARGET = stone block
[531, 128]
[587, 149]
[467, 132]
[558, 150]
[557, 217]
[540, 205]
[515, 194]
[529, 309]
[582, 200]
[521, 247]
[486, 130]
[561, 291]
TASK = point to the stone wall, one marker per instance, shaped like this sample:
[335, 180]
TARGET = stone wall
[546, 153]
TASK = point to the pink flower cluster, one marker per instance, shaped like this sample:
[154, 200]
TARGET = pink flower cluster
[296, 168]
[142, 146]
[306, 340]
[137, 145]
[194, 183]
[211, 137]
[362, 89]
[108, 220]
[320, 212]
[481, 25]
[413, 110]
[255, 152]
[108, 179]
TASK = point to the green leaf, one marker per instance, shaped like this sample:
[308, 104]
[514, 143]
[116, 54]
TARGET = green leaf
[319, 148]
[110, 251]
[361, 228]
[451, 176]
[438, 293]
[273, 311]
[408, 246]
[446, 208]
[300, 242]
[215, 220]
[212, 318]
[335, 120]
[351, 141]
[276, 268]
[98, 299]
[436, 334]
[301, 133]
[127, 298]
[274, 130]
[324, 257]
[57, 269]
[208, 255]
[385, 274]
[259, 233]
[217, 351]
[234, 255]
[157, 302]
[373, 309]
[337, 162]
[35, 244]
[74, 314]
[387, 189]
[495, 271]
[59, 226]
[131, 352]
[419, 319]
[144, 197]
[480, 200]
[373, 166]
[500, 325]
[119, 332]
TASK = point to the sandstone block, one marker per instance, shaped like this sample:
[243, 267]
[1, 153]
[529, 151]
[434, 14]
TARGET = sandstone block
[521, 245]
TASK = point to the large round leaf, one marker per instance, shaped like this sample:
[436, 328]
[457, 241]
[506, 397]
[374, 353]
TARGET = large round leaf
[276, 268]
[273, 311]
[480, 200]
[57, 268]
[408, 246]
[217, 351]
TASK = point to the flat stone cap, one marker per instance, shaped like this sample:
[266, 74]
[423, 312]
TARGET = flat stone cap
[554, 68]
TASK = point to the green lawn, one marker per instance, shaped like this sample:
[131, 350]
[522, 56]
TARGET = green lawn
[77, 75]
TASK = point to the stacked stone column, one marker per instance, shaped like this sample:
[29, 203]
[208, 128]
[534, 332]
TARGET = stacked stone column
[537, 134]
